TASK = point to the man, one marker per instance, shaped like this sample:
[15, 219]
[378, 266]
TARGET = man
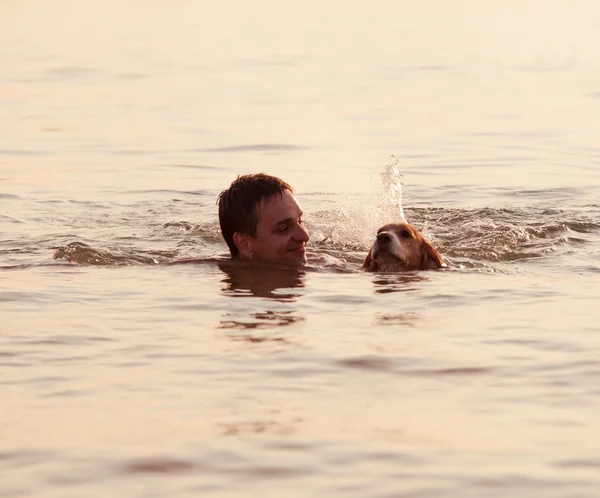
[261, 220]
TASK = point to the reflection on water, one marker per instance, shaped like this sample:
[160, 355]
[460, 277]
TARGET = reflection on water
[249, 279]
[409, 319]
[386, 283]
[276, 284]
[244, 428]
[262, 320]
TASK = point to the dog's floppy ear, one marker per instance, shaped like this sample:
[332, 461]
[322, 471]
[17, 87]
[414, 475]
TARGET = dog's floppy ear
[430, 258]
[369, 263]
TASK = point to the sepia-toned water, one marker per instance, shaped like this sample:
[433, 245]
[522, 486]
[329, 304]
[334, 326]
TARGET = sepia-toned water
[123, 374]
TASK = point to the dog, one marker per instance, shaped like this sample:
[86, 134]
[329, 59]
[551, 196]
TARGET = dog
[401, 247]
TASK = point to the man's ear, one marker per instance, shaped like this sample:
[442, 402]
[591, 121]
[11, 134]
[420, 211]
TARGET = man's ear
[430, 258]
[242, 242]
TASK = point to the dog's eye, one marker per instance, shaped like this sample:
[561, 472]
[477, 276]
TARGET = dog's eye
[405, 234]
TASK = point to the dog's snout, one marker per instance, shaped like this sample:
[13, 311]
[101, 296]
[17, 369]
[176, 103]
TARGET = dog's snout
[384, 237]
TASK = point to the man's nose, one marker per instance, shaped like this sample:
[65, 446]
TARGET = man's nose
[302, 234]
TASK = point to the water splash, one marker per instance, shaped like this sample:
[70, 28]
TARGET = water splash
[353, 223]
[391, 182]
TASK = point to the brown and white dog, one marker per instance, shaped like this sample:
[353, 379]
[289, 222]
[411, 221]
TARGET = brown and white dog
[401, 247]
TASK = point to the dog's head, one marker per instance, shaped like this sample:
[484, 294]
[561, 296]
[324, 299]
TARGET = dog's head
[400, 247]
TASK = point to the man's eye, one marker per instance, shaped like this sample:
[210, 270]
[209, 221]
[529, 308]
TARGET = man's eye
[283, 228]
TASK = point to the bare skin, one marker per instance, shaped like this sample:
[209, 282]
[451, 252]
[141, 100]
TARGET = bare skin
[280, 232]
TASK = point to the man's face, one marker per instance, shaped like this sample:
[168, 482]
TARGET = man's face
[280, 233]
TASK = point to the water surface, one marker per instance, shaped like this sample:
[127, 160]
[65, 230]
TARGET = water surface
[123, 373]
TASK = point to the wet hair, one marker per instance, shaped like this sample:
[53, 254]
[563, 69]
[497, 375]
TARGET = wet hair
[238, 205]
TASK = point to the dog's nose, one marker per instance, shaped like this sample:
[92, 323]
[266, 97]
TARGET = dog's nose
[384, 237]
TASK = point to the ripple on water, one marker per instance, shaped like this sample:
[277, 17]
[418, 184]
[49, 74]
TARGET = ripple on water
[159, 465]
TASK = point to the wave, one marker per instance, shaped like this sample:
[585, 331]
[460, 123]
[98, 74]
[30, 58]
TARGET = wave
[472, 236]
[467, 238]
[78, 252]
[256, 148]
[477, 238]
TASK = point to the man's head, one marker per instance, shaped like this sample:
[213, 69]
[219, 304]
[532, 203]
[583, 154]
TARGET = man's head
[261, 219]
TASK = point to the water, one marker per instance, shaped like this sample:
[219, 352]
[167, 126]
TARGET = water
[123, 374]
